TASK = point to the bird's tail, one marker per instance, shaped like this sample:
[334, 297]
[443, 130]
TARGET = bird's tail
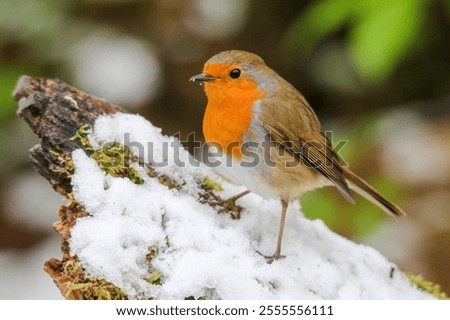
[364, 189]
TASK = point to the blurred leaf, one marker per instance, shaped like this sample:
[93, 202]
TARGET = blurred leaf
[367, 217]
[348, 151]
[363, 217]
[447, 3]
[319, 205]
[361, 136]
[385, 33]
[354, 221]
[382, 32]
[7, 82]
[8, 79]
[319, 20]
[370, 216]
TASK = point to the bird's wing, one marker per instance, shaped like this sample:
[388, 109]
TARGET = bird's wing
[314, 151]
[292, 124]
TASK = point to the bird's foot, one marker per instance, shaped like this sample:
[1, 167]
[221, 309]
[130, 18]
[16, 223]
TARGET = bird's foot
[272, 258]
[229, 205]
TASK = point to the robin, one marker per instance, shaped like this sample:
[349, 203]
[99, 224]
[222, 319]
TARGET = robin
[269, 136]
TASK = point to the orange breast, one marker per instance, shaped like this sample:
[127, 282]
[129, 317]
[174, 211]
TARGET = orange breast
[228, 114]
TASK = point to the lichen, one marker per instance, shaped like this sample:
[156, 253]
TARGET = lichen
[117, 160]
[82, 136]
[100, 290]
[211, 184]
[428, 286]
[66, 163]
[89, 288]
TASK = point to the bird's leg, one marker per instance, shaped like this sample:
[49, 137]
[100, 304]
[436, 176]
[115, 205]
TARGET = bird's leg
[284, 204]
[277, 255]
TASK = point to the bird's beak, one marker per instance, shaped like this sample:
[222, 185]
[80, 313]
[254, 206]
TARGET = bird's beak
[202, 77]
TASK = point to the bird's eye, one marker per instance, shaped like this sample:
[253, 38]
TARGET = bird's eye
[235, 73]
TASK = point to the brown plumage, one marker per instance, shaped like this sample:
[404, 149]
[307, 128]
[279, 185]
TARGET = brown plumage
[250, 103]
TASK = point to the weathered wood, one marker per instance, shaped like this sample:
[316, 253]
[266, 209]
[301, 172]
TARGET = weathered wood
[56, 111]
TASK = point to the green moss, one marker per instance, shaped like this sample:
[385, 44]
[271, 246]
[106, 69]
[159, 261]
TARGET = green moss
[109, 292]
[155, 278]
[113, 158]
[82, 136]
[97, 290]
[116, 160]
[211, 185]
[427, 286]
[89, 288]
[66, 163]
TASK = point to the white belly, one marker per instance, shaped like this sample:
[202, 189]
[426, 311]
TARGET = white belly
[266, 180]
[241, 173]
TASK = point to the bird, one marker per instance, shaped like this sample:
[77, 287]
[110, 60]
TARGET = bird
[269, 137]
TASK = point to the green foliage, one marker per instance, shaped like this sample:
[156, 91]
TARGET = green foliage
[368, 216]
[320, 205]
[381, 32]
[363, 217]
[356, 220]
[320, 20]
[384, 32]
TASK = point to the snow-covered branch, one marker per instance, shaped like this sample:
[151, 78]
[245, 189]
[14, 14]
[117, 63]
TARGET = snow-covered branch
[136, 229]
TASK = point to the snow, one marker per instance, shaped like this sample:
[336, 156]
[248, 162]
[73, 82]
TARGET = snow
[202, 253]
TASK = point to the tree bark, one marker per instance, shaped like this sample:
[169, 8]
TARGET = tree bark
[56, 111]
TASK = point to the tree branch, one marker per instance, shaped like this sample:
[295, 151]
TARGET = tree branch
[56, 111]
[193, 241]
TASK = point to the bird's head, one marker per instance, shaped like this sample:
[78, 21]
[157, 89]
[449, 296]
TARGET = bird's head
[236, 74]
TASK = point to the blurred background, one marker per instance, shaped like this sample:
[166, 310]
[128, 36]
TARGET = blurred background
[377, 72]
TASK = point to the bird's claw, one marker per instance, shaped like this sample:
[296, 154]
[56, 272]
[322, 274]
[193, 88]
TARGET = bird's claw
[272, 258]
